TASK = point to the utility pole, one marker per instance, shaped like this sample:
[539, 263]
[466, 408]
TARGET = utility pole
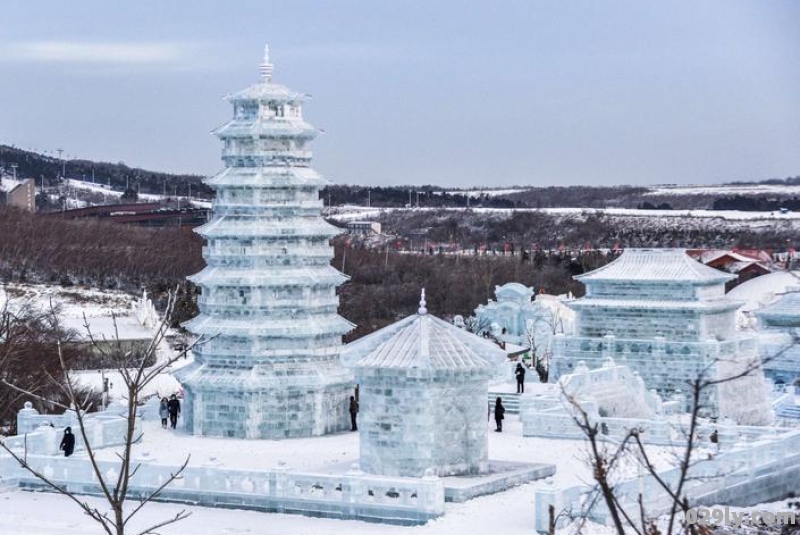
[369, 194]
[92, 174]
[410, 202]
[63, 163]
[417, 199]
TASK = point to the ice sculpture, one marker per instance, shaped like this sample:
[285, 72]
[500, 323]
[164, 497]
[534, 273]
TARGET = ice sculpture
[268, 309]
[422, 385]
[666, 316]
[779, 330]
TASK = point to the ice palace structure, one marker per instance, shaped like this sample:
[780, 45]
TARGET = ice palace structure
[666, 316]
[269, 365]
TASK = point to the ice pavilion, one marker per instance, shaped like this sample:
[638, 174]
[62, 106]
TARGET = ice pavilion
[269, 367]
[667, 317]
[422, 385]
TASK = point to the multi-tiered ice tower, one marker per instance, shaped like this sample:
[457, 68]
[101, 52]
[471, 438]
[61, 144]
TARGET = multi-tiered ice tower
[268, 309]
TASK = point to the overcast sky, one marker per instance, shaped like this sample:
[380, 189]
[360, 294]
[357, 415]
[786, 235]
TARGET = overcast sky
[465, 93]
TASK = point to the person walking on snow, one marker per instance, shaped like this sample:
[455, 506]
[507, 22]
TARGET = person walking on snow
[68, 442]
[163, 412]
[353, 413]
[499, 411]
[174, 408]
[519, 373]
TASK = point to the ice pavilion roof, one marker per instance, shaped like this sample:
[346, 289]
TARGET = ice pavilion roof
[422, 341]
[656, 265]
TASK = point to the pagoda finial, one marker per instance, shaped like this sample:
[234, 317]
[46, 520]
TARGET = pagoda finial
[422, 310]
[266, 66]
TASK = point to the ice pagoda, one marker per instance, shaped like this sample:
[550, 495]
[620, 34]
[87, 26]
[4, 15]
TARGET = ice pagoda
[423, 385]
[268, 310]
[666, 316]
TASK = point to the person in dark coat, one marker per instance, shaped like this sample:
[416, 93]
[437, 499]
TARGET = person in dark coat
[519, 373]
[499, 411]
[68, 442]
[353, 413]
[163, 412]
[174, 408]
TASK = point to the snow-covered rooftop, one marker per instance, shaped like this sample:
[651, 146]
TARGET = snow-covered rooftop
[657, 265]
[759, 291]
[786, 306]
[423, 341]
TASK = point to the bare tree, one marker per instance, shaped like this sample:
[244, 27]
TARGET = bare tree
[604, 457]
[115, 488]
[28, 355]
[539, 332]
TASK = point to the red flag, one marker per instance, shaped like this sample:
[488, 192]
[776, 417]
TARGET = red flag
[616, 247]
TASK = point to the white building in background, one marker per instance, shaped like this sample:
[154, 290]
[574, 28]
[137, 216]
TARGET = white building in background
[269, 367]
[666, 316]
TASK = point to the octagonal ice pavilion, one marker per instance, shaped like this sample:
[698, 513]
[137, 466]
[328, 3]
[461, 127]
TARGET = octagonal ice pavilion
[423, 385]
[269, 367]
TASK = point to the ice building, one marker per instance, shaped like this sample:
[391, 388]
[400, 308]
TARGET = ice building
[515, 316]
[779, 329]
[422, 385]
[268, 310]
[666, 317]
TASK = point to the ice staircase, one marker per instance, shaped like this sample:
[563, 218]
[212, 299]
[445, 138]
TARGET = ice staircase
[510, 401]
[786, 407]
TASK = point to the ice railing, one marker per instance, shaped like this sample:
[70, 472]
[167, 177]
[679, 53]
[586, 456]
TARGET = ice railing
[614, 345]
[351, 495]
[747, 474]
[42, 433]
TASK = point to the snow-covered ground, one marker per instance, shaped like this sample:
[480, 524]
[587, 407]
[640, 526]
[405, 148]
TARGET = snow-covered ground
[510, 511]
[726, 189]
[73, 303]
[21, 513]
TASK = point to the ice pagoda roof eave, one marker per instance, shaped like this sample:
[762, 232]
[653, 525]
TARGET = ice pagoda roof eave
[267, 91]
[656, 265]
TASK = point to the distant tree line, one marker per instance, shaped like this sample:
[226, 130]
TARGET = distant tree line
[756, 204]
[386, 287]
[47, 170]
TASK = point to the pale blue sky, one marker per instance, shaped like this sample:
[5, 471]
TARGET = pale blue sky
[424, 91]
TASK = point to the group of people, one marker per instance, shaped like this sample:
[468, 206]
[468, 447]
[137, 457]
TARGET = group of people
[169, 408]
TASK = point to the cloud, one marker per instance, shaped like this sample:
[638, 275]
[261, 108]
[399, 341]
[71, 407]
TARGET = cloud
[349, 52]
[106, 53]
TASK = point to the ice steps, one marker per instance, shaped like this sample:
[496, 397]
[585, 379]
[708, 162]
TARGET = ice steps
[510, 401]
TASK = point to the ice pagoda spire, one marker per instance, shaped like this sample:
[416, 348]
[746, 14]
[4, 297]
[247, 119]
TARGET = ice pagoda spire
[422, 310]
[266, 67]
